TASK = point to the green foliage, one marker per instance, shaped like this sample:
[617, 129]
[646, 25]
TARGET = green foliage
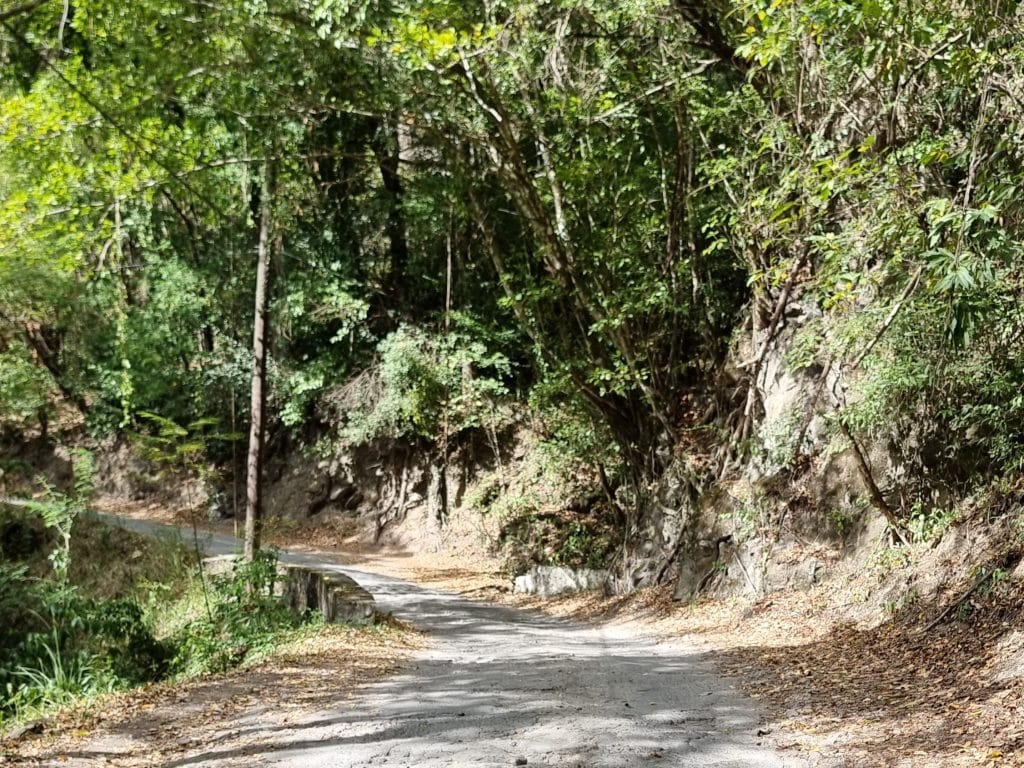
[231, 618]
[610, 191]
[963, 406]
[54, 681]
[61, 645]
[805, 348]
[569, 433]
[493, 497]
[609, 280]
[18, 596]
[585, 545]
[842, 520]
[751, 514]
[425, 383]
[911, 225]
[58, 645]
[186, 448]
[324, 318]
[550, 539]
[888, 560]
[59, 511]
[928, 524]
[25, 388]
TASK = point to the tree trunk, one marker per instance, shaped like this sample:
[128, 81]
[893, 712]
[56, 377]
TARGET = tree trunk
[254, 463]
[47, 343]
[387, 149]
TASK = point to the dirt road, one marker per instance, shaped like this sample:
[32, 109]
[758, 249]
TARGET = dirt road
[505, 687]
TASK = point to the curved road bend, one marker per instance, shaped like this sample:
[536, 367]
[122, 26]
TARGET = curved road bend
[500, 686]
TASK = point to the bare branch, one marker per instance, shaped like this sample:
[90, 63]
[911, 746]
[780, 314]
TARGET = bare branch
[914, 280]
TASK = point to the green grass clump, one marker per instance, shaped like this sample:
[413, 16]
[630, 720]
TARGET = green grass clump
[120, 611]
[223, 621]
[58, 644]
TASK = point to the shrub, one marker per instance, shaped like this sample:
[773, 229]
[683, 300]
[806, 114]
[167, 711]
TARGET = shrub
[228, 619]
[58, 644]
[24, 387]
[422, 383]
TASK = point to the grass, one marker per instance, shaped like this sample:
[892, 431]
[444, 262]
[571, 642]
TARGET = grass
[135, 609]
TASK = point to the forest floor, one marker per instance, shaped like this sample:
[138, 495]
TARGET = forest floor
[181, 723]
[896, 693]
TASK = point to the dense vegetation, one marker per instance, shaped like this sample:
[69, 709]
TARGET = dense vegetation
[87, 608]
[587, 208]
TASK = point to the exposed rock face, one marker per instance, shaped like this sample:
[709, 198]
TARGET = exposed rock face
[794, 396]
[220, 565]
[666, 525]
[550, 580]
[122, 472]
[379, 485]
[748, 532]
[697, 567]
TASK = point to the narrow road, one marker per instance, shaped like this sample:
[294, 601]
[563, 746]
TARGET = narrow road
[506, 687]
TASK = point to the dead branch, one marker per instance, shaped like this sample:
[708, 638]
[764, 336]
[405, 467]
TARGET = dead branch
[1004, 560]
[877, 499]
[772, 328]
[911, 286]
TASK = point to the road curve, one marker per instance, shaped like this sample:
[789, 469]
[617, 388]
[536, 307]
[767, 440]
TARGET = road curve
[503, 687]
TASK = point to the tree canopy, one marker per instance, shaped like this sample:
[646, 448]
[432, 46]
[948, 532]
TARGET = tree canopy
[578, 206]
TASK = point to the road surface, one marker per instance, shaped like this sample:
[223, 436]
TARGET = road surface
[504, 687]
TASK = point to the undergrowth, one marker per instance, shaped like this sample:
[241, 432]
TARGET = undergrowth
[59, 645]
[86, 609]
[224, 620]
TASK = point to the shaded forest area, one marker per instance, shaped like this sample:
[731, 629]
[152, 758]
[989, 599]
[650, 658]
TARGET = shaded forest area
[627, 226]
[722, 298]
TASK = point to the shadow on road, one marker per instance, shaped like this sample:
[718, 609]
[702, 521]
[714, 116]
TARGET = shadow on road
[497, 684]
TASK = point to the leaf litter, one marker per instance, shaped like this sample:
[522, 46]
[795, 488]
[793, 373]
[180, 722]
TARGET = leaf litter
[842, 692]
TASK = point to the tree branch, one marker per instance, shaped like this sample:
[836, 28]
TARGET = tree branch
[914, 280]
[772, 328]
[20, 10]
[877, 499]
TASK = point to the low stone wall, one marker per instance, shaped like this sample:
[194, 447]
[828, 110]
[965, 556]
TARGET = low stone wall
[551, 580]
[337, 597]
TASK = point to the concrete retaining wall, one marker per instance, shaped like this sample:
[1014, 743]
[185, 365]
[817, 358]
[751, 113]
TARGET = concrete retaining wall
[337, 597]
[550, 580]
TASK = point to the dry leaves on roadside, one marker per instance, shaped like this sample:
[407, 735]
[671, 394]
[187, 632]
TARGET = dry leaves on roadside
[157, 723]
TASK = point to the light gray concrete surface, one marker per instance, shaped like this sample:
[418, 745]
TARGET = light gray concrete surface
[551, 580]
[499, 685]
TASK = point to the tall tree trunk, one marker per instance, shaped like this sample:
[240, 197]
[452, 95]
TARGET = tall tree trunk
[254, 463]
[387, 149]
